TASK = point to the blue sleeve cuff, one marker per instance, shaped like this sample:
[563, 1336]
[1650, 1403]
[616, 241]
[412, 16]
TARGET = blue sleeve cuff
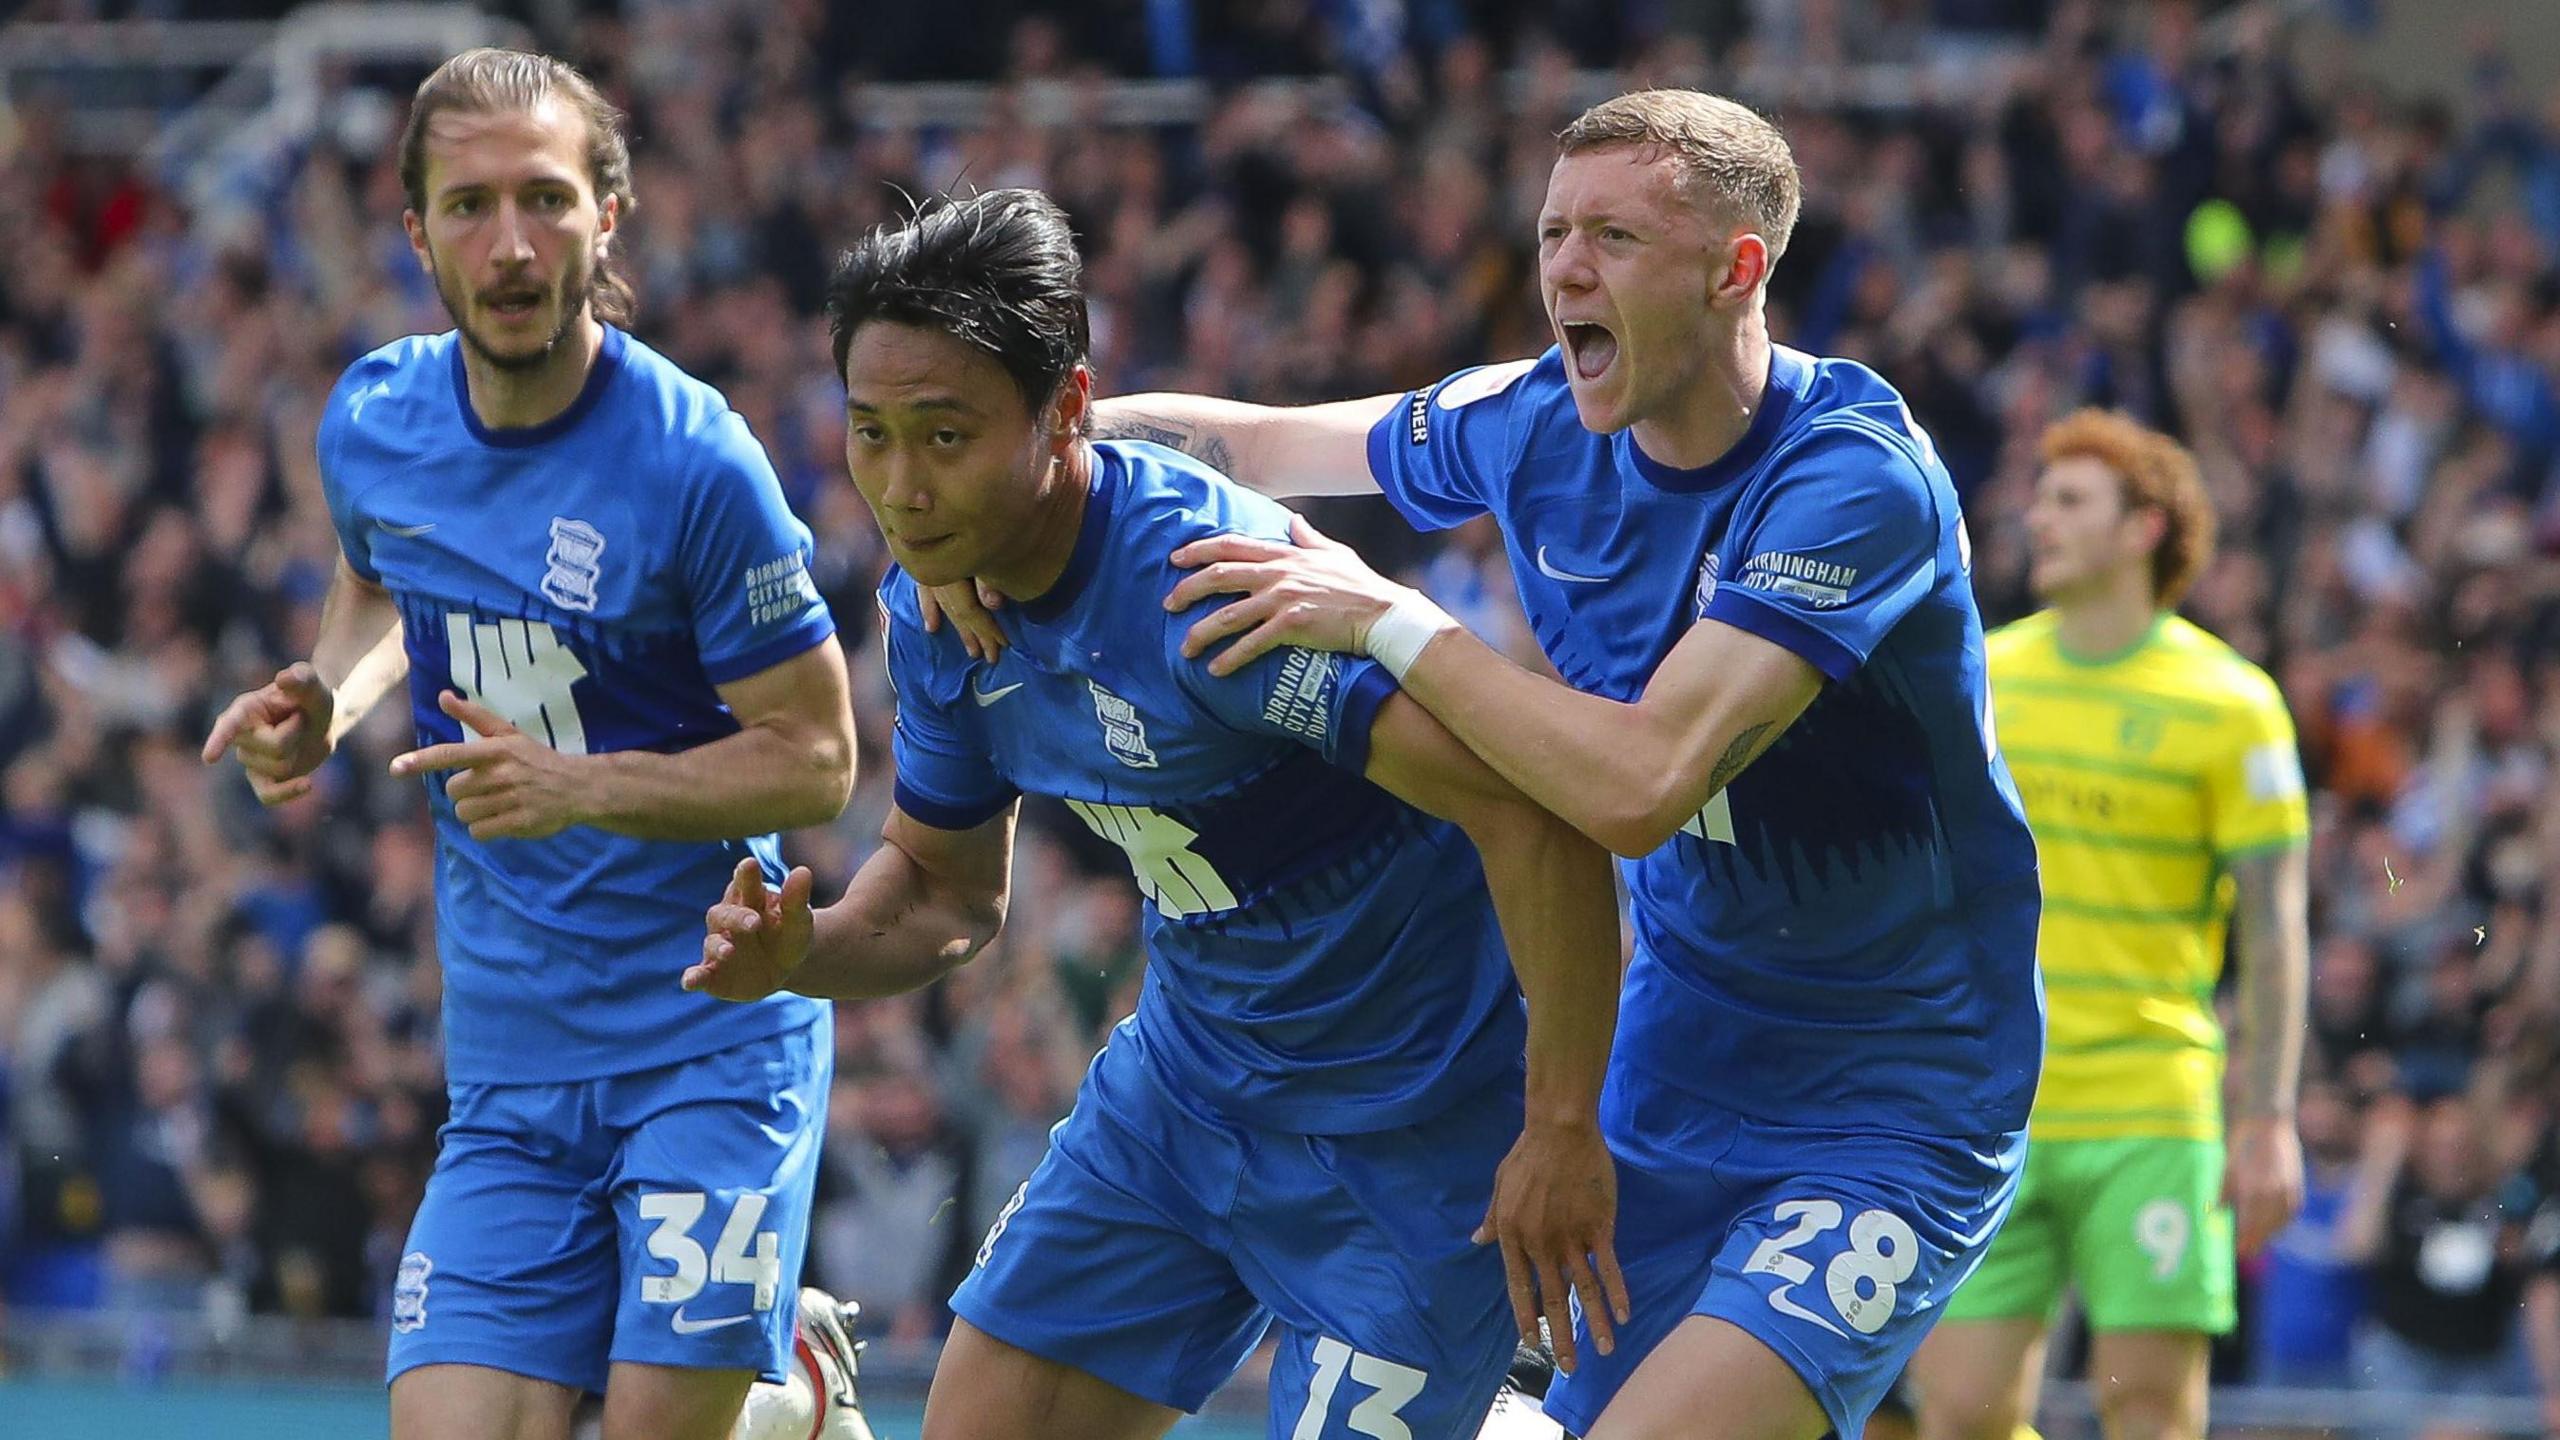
[944, 815]
[1747, 612]
[811, 629]
[1368, 690]
[1389, 432]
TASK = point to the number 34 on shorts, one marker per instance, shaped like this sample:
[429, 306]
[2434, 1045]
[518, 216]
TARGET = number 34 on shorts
[1840, 1271]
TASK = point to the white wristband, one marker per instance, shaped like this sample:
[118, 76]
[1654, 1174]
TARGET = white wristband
[1396, 639]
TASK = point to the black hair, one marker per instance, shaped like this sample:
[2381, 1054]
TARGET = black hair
[997, 270]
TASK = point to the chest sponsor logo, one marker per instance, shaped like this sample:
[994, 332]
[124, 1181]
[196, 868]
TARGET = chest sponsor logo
[1123, 733]
[2068, 798]
[576, 547]
[520, 669]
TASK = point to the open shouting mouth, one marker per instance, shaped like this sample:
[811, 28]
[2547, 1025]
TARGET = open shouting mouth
[1589, 346]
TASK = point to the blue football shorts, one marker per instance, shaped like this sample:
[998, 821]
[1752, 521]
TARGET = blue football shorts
[1834, 1246]
[1158, 1241]
[658, 1217]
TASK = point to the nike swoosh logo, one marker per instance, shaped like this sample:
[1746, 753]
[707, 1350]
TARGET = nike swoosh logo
[365, 397]
[989, 697]
[405, 532]
[1566, 576]
[792, 1103]
[682, 1326]
[1785, 1304]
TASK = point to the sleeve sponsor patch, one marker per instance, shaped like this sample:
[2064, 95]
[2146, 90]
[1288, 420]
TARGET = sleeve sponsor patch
[2274, 772]
[1476, 384]
[1819, 583]
[1301, 700]
[1457, 390]
[778, 589]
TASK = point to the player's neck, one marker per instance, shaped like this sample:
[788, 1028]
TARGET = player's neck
[2109, 621]
[505, 399]
[1034, 567]
[1715, 416]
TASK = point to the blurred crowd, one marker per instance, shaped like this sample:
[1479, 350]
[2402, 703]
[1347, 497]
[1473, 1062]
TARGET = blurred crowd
[219, 1077]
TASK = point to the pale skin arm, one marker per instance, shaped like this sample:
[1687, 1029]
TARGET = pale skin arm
[1277, 450]
[789, 765]
[381, 671]
[1627, 775]
[924, 904]
[1555, 1198]
[361, 654]
[284, 730]
[2262, 1176]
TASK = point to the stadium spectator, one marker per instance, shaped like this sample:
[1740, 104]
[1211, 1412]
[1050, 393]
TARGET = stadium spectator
[2310, 1291]
[2443, 1233]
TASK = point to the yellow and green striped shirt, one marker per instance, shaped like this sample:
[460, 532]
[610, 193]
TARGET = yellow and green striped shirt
[2144, 775]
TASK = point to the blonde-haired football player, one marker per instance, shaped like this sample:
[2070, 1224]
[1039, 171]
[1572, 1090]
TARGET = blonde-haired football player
[2160, 778]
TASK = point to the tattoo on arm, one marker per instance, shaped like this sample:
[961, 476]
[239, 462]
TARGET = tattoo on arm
[1143, 427]
[2274, 975]
[1210, 447]
[1737, 757]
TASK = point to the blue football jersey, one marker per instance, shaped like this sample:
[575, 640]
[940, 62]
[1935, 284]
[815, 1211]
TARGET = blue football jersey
[1849, 928]
[1322, 957]
[590, 579]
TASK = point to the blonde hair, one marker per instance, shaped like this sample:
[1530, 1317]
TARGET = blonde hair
[491, 81]
[1724, 149]
[2155, 473]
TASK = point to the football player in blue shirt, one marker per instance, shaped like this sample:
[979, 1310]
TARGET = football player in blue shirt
[1748, 565]
[623, 682]
[1306, 1121]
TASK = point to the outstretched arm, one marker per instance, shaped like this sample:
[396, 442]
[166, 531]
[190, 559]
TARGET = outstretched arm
[925, 903]
[1278, 450]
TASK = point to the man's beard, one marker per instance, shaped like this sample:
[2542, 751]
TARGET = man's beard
[577, 289]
